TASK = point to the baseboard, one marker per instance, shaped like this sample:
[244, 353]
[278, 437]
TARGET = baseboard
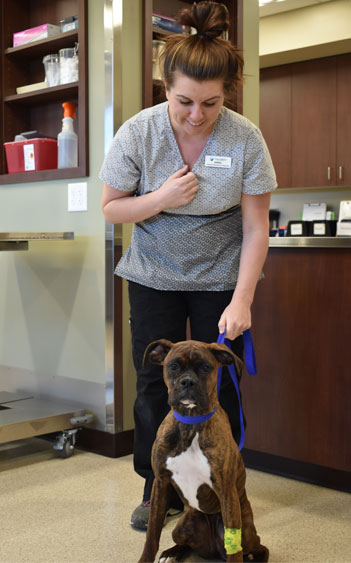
[104, 443]
[299, 470]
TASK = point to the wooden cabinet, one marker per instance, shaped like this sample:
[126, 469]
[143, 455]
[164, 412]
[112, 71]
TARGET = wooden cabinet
[343, 123]
[275, 118]
[297, 407]
[41, 110]
[305, 118]
[313, 117]
[153, 89]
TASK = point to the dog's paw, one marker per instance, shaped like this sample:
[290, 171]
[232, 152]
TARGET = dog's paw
[174, 554]
[259, 556]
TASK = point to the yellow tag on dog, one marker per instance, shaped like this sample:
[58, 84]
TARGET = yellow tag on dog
[232, 540]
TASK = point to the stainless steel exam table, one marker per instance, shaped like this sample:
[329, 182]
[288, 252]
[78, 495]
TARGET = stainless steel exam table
[21, 414]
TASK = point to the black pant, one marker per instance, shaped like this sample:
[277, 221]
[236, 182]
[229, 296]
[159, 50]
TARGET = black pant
[158, 314]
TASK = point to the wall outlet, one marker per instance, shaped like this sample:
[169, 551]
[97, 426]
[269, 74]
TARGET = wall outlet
[78, 197]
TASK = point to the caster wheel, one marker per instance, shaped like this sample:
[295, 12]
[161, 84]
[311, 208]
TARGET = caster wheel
[67, 450]
[65, 443]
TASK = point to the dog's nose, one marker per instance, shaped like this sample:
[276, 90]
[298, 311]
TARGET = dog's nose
[187, 382]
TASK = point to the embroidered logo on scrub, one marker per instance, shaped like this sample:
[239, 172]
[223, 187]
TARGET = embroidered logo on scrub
[232, 540]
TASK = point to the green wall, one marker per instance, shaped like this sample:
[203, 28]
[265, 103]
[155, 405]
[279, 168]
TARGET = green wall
[52, 298]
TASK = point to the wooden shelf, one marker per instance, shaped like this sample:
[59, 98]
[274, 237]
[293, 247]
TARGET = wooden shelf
[43, 46]
[160, 31]
[41, 109]
[42, 175]
[44, 95]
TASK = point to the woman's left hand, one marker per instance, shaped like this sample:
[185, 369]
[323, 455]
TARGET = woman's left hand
[235, 319]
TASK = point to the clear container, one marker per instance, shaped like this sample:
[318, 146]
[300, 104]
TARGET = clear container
[68, 65]
[67, 145]
[52, 69]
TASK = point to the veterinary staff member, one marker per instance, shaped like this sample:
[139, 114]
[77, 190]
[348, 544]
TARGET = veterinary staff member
[195, 178]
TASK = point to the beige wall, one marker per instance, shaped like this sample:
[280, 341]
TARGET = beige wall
[52, 298]
[52, 303]
[251, 60]
[311, 32]
[132, 103]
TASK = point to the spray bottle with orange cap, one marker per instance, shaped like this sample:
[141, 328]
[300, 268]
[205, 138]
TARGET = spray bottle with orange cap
[67, 140]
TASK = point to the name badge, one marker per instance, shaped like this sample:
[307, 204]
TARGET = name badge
[218, 161]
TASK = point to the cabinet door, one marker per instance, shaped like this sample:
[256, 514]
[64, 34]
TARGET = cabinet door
[314, 123]
[343, 140]
[298, 407]
[275, 118]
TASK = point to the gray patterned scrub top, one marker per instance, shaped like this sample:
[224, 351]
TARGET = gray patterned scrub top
[196, 246]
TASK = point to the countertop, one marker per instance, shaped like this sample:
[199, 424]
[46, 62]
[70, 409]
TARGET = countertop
[283, 242]
[313, 242]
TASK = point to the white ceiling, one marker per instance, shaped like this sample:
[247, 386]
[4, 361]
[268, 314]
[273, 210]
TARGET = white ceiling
[277, 6]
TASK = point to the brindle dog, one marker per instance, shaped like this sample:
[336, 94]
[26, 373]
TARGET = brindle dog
[201, 461]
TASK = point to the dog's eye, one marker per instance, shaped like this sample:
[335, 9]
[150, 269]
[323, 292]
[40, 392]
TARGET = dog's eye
[173, 367]
[206, 368]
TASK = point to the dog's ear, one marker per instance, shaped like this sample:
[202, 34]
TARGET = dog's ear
[157, 351]
[225, 356]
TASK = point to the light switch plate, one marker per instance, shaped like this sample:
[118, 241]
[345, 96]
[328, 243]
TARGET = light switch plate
[78, 196]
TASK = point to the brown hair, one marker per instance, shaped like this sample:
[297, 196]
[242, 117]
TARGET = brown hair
[204, 55]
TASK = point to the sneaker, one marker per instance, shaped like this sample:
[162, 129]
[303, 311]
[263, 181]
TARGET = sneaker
[140, 517]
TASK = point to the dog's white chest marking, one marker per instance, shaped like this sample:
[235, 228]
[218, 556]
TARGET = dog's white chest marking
[189, 470]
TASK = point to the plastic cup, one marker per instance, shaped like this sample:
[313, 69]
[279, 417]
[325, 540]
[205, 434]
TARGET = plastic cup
[52, 69]
[68, 65]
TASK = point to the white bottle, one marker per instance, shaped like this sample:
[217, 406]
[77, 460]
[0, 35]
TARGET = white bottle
[67, 145]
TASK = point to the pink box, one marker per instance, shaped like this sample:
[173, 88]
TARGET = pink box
[35, 33]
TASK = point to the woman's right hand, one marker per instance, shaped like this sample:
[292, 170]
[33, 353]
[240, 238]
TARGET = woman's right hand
[179, 189]
[119, 206]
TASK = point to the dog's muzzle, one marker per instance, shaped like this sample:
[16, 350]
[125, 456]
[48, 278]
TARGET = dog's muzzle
[188, 392]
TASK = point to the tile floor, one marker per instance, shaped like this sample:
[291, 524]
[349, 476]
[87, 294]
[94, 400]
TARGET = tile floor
[77, 510]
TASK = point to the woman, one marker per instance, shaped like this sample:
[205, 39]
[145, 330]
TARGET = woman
[201, 176]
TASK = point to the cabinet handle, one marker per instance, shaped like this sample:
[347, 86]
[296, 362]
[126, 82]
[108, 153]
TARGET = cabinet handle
[340, 172]
[329, 172]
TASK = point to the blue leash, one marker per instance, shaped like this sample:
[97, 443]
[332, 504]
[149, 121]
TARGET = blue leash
[250, 361]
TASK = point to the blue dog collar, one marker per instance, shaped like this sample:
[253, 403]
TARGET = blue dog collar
[193, 419]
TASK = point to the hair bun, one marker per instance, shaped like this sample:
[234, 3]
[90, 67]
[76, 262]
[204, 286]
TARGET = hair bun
[210, 19]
